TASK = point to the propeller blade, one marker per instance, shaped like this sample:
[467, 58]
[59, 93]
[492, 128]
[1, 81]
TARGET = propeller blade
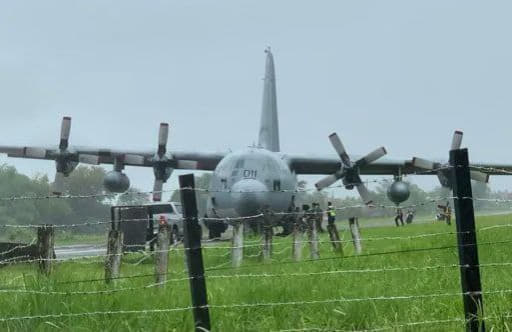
[340, 149]
[157, 190]
[423, 163]
[364, 193]
[372, 156]
[64, 132]
[163, 135]
[456, 140]
[58, 184]
[34, 153]
[89, 159]
[479, 176]
[326, 181]
[133, 159]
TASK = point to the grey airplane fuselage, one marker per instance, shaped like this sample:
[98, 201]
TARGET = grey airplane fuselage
[249, 180]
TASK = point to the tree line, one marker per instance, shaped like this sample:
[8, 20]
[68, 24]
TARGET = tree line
[83, 181]
[86, 180]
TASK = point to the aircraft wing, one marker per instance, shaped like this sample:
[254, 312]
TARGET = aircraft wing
[321, 165]
[493, 168]
[331, 164]
[206, 161]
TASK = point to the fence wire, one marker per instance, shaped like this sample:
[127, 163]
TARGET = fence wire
[332, 273]
[231, 220]
[210, 275]
[252, 305]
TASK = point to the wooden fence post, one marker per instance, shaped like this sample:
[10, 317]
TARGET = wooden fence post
[297, 242]
[268, 233]
[114, 254]
[193, 253]
[162, 253]
[312, 237]
[356, 236]
[334, 235]
[466, 240]
[237, 243]
[45, 248]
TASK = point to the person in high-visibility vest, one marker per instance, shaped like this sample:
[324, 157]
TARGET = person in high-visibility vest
[448, 214]
[331, 213]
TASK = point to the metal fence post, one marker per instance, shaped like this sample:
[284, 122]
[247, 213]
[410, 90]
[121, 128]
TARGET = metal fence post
[466, 239]
[192, 242]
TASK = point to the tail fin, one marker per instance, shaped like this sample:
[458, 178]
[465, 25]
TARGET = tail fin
[269, 126]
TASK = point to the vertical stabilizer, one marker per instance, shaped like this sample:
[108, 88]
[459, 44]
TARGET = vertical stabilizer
[269, 125]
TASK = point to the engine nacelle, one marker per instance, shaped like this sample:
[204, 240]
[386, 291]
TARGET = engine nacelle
[398, 192]
[116, 182]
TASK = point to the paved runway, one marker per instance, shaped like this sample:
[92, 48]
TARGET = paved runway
[82, 250]
[79, 250]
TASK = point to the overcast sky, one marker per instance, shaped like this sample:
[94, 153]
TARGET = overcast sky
[402, 74]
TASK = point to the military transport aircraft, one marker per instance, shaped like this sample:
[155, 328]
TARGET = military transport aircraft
[244, 181]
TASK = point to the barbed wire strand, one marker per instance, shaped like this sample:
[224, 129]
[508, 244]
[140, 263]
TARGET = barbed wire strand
[384, 328]
[256, 216]
[252, 305]
[322, 259]
[236, 276]
[18, 247]
[412, 250]
[249, 276]
[400, 325]
[200, 190]
[205, 190]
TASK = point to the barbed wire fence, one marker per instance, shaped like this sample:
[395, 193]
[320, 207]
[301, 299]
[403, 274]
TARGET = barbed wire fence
[198, 275]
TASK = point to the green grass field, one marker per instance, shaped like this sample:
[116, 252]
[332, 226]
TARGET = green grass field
[329, 294]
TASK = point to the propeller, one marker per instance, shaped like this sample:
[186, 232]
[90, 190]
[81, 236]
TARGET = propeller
[349, 171]
[443, 174]
[162, 165]
[65, 160]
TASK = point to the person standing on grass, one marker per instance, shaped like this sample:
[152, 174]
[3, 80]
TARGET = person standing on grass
[318, 217]
[448, 214]
[331, 214]
[287, 222]
[399, 216]
[410, 216]
[309, 218]
[297, 218]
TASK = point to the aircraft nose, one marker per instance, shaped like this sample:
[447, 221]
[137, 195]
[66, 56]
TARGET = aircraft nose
[249, 195]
